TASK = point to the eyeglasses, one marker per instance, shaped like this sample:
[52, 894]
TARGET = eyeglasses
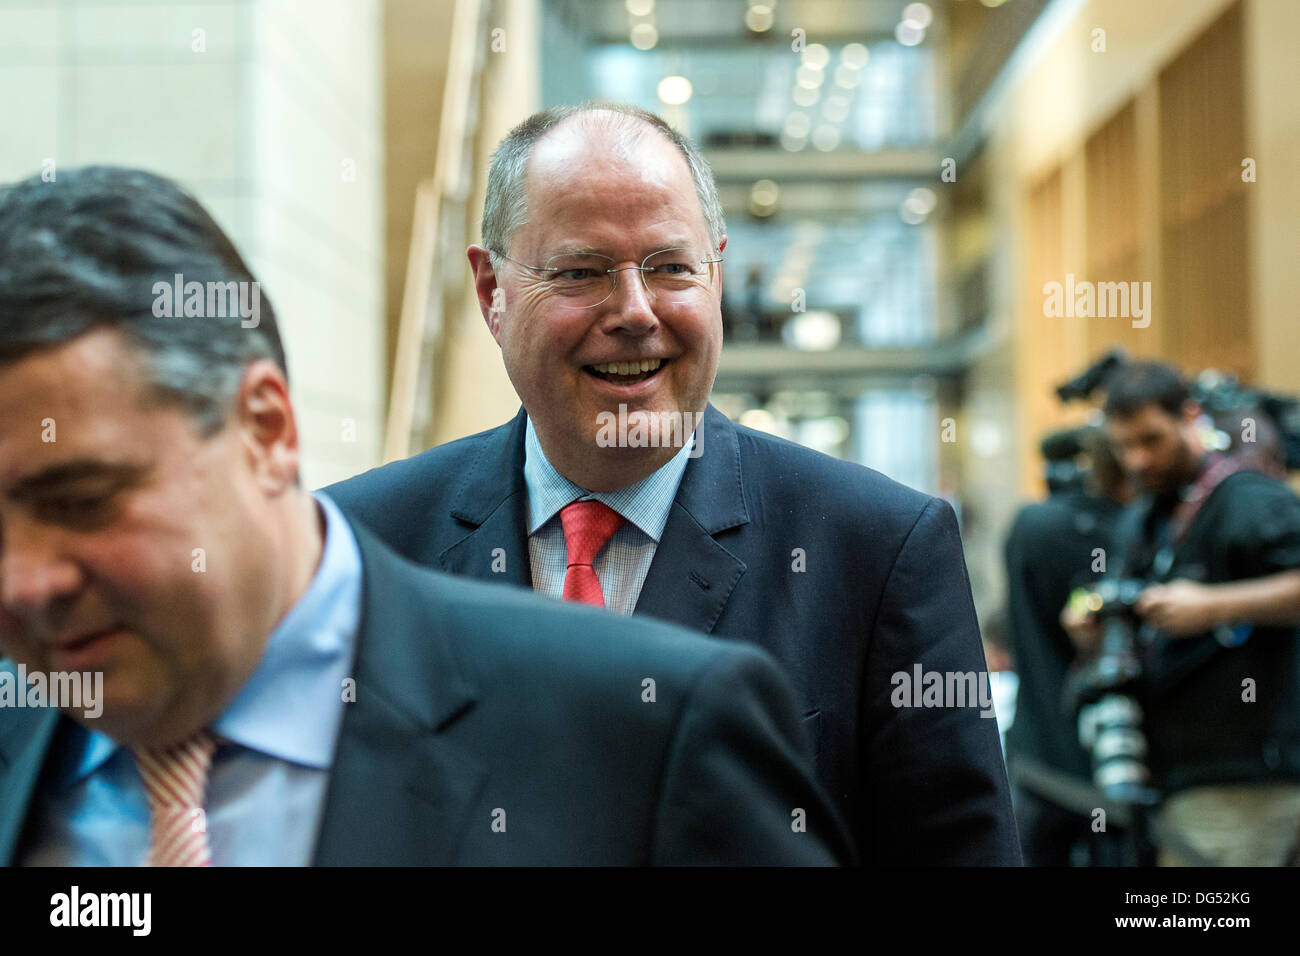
[585, 279]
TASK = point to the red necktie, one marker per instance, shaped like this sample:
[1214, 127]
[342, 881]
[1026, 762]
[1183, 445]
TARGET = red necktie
[588, 525]
[174, 782]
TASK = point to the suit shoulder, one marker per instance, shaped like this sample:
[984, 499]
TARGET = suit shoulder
[508, 637]
[534, 631]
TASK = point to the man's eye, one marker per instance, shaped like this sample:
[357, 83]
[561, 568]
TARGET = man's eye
[575, 275]
[674, 268]
[72, 507]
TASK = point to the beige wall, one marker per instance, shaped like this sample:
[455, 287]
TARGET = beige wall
[316, 174]
[1067, 89]
[416, 48]
[1273, 130]
[473, 390]
[1061, 94]
[258, 123]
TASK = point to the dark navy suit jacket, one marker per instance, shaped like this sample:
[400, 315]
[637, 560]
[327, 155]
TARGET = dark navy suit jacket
[845, 576]
[492, 727]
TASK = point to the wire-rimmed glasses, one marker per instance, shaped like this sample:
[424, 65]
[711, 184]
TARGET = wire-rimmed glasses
[586, 279]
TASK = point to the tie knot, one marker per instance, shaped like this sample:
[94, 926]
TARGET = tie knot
[588, 525]
[175, 777]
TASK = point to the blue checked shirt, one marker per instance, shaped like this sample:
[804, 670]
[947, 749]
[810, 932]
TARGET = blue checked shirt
[622, 565]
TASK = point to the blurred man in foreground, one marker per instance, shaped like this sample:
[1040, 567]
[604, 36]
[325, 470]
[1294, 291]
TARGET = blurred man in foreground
[277, 687]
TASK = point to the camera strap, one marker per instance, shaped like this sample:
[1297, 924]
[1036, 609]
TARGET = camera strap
[1217, 469]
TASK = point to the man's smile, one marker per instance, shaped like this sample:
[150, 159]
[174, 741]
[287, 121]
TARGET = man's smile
[631, 372]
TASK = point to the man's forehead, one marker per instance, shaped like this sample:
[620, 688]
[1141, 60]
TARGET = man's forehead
[586, 185]
[59, 404]
[1146, 420]
[630, 149]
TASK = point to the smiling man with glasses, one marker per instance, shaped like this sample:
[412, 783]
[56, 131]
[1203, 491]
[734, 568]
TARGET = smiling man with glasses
[600, 277]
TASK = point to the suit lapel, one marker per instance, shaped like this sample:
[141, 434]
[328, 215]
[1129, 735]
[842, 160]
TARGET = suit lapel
[24, 743]
[492, 505]
[400, 789]
[692, 576]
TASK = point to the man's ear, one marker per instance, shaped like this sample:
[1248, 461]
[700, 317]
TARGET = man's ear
[1191, 412]
[267, 426]
[491, 297]
[722, 247]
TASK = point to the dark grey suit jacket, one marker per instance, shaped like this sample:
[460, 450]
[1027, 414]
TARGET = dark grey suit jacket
[843, 575]
[478, 707]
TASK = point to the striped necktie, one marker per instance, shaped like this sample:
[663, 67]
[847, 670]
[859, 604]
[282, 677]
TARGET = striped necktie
[174, 782]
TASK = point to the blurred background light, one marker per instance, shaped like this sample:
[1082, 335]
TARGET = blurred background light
[908, 34]
[644, 36]
[759, 17]
[674, 90]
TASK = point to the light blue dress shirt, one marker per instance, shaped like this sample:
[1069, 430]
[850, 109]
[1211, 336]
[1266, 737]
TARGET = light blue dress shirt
[266, 789]
[622, 565]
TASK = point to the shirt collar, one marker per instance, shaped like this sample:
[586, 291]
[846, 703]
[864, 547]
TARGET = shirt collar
[645, 503]
[279, 711]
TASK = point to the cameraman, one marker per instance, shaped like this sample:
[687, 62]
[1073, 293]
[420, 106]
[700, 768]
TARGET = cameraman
[1049, 551]
[1220, 644]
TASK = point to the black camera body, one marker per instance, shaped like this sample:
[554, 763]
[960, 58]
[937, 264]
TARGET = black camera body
[1104, 694]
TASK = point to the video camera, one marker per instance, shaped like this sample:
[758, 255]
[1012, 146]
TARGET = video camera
[1104, 695]
[1225, 400]
[1061, 451]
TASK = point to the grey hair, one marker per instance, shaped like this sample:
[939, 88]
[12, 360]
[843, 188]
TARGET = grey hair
[86, 250]
[505, 208]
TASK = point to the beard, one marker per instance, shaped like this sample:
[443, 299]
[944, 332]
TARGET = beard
[1169, 482]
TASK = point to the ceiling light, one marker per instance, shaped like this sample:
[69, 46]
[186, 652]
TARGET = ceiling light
[803, 96]
[640, 8]
[806, 76]
[759, 419]
[816, 330]
[674, 90]
[917, 13]
[759, 18]
[644, 36]
[826, 138]
[816, 56]
[836, 109]
[921, 199]
[854, 56]
[798, 124]
[793, 143]
[847, 77]
[908, 34]
[762, 198]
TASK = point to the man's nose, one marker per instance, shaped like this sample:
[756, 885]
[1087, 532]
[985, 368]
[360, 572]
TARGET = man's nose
[33, 574]
[629, 308]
